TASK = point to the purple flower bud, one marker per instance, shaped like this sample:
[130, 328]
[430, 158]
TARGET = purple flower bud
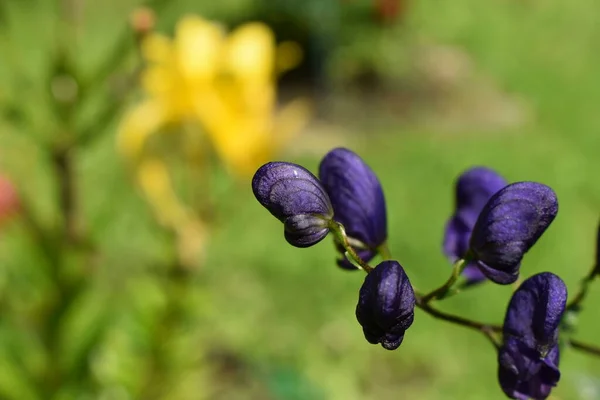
[474, 188]
[509, 225]
[528, 359]
[386, 305]
[357, 199]
[296, 197]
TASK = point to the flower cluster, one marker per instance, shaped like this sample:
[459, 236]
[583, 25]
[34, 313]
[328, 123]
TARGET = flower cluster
[492, 228]
[347, 199]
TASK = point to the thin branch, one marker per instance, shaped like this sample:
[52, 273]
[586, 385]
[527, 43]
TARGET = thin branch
[575, 304]
[486, 329]
[440, 292]
[584, 347]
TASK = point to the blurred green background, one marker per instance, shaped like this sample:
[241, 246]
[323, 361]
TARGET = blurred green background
[421, 94]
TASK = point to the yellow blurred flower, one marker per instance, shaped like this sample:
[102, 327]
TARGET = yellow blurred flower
[225, 83]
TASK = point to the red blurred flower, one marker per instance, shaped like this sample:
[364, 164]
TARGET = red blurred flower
[388, 11]
[9, 199]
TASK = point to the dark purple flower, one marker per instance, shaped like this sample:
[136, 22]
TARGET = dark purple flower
[474, 188]
[386, 305]
[509, 225]
[528, 359]
[296, 197]
[357, 199]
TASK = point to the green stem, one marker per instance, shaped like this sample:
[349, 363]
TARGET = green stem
[178, 284]
[486, 329]
[575, 304]
[384, 251]
[584, 347]
[339, 232]
[440, 292]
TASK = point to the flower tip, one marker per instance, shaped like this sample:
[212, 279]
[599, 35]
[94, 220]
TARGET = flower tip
[392, 342]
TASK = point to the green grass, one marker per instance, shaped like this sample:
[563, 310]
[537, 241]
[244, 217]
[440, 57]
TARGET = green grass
[288, 313]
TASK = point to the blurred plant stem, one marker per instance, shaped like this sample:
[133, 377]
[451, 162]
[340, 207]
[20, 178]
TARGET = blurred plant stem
[128, 39]
[177, 287]
[584, 347]
[64, 169]
[67, 286]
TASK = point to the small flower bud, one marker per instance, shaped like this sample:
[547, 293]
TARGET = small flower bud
[386, 305]
[509, 225]
[143, 20]
[296, 197]
[357, 199]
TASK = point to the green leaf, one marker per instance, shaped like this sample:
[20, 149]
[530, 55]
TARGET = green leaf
[81, 328]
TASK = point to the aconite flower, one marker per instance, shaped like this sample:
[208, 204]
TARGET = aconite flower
[473, 189]
[296, 197]
[508, 226]
[358, 202]
[386, 305]
[528, 359]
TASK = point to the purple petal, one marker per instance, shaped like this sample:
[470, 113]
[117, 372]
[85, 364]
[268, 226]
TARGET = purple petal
[456, 238]
[501, 277]
[524, 374]
[356, 195]
[386, 305]
[475, 186]
[510, 224]
[296, 197]
[473, 274]
[473, 189]
[535, 310]
[528, 359]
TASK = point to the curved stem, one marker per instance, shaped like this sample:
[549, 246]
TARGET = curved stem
[584, 347]
[440, 292]
[487, 330]
[575, 304]
[340, 235]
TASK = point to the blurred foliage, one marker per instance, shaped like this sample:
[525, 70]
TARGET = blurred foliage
[95, 300]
